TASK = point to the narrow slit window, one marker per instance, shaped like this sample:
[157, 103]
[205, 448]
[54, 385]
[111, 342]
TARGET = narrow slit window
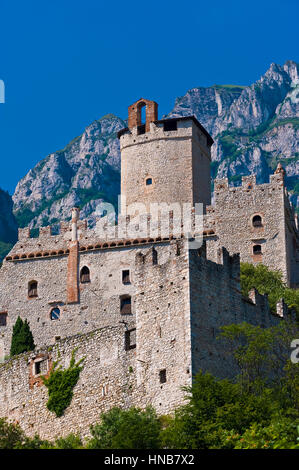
[149, 181]
[162, 375]
[3, 318]
[130, 339]
[37, 368]
[32, 289]
[155, 256]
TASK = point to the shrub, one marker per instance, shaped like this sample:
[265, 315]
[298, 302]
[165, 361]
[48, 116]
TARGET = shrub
[268, 282]
[22, 338]
[60, 384]
[126, 429]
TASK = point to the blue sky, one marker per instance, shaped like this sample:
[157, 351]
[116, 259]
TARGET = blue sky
[66, 63]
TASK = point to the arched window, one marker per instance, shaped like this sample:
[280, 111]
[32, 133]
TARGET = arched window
[257, 249]
[32, 289]
[257, 221]
[84, 275]
[55, 313]
[141, 118]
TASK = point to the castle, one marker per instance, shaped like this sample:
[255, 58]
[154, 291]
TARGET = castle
[142, 305]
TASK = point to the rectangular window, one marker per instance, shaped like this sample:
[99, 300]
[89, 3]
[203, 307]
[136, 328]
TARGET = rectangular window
[125, 305]
[126, 276]
[37, 368]
[170, 125]
[141, 129]
[40, 367]
[162, 375]
[130, 339]
[3, 318]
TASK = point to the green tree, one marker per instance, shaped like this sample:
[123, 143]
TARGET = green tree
[214, 407]
[126, 429]
[22, 338]
[281, 433]
[72, 441]
[268, 282]
[11, 435]
[263, 355]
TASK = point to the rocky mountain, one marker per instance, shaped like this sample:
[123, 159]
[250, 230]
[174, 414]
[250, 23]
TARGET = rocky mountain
[253, 126]
[84, 173]
[8, 224]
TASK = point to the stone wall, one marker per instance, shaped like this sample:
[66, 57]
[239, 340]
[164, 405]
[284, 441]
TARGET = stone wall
[163, 326]
[107, 380]
[98, 301]
[216, 300]
[181, 299]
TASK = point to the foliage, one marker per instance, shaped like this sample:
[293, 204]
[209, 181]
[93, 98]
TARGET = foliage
[25, 215]
[22, 338]
[260, 131]
[126, 429]
[4, 250]
[268, 282]
[11, 435]
[262, 354]
[72, 441]
[61, 383]
[229, 145]
[279, 434]
[261, 408]
[213, 407]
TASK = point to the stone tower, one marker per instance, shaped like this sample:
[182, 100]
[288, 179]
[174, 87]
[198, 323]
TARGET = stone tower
[258, 221]
[164, 161]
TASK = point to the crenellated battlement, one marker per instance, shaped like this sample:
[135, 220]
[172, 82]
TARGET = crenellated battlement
[248, 184]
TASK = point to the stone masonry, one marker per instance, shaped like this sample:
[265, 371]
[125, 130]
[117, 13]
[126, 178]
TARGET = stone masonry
[143, 308]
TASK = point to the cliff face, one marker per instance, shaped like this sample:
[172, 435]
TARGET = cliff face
[8, 224]
[84, 173]
[254, 127]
